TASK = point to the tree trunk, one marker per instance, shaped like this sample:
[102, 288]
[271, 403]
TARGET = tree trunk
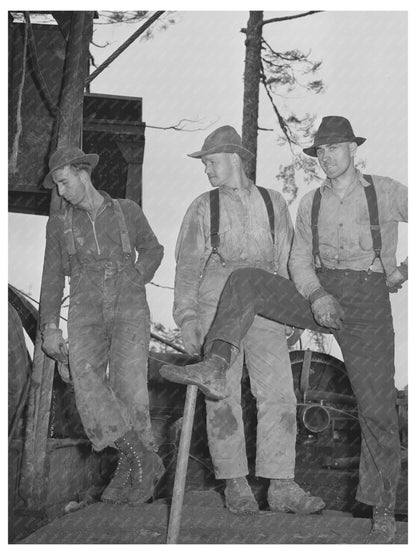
[251, 87]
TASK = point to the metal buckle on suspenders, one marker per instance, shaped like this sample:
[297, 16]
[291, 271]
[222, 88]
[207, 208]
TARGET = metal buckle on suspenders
[214, 202]
[371, 197]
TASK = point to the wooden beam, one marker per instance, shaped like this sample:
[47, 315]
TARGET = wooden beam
[35, 465]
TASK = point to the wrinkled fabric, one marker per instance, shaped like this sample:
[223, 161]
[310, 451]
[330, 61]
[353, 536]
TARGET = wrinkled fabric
[109, 334]
[367, 343]
[345, 240]
[94, 243]
[245, 240]
[108, 321]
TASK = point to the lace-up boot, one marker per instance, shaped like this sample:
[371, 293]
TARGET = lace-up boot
[118, 489]
[146, 467]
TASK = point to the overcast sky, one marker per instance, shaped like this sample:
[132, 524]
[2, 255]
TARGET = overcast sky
[194, 70]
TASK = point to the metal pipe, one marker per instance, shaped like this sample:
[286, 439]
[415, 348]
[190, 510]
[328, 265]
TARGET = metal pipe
[315, 418]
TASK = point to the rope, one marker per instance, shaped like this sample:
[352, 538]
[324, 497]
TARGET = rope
[15, 150]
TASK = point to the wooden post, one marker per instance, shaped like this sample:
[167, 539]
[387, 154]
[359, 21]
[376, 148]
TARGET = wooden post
[35, 471]
[182, 464]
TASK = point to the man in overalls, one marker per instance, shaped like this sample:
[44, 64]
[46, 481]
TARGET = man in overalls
[343, 266]
[237, 225]
[95, 240]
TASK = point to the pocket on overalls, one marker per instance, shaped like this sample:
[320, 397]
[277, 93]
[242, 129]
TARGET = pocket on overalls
[134, 277]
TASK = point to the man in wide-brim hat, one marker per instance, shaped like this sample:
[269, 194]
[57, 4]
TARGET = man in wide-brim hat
[94, 240]
[244, 238]
[343, 265]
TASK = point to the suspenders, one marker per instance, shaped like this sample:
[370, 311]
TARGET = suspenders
[371, 197]
[214, 204]
[69, 234]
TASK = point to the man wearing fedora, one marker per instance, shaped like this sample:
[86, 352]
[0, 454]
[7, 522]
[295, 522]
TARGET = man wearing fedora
[343, 266]
[244, 237]
[109, 252]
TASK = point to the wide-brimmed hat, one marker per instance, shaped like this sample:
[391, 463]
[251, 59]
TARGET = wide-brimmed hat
[64, 156]
[223, 139]
[333, 129]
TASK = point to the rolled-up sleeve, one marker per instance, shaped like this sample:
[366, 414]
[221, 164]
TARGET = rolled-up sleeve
[148, 247]
[189, 253]
[301, 263]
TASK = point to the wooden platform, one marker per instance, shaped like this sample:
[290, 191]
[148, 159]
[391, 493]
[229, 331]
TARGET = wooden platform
[204, 521]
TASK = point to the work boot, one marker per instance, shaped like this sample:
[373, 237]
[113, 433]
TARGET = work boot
[384, 526]
[285, 496]
[118, 489]
[208, 375]
[146, 467]
[239, 498]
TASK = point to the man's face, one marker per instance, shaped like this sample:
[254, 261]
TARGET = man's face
[335, 159]
[219, 168]
[70, 185]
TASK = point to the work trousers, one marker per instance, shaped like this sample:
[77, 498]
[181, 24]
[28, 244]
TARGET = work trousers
[109, 333]
[264, 350]
[367, 344]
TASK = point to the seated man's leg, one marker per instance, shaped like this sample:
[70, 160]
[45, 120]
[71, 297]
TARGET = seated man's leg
[251, 291]
[247, 292]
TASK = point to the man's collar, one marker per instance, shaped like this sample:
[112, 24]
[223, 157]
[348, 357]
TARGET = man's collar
[359, 179]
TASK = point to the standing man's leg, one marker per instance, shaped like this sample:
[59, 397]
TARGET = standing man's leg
[367, 344]
[271, 379]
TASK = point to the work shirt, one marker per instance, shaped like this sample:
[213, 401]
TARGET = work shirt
[345, 240]
[96, 242]
[244, 240]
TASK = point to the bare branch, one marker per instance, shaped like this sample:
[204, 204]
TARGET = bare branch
[180, 126]
[286, 18]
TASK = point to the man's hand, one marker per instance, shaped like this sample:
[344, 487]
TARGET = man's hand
[328, 312]
[395, 280]
[54, 346]
[192, 337]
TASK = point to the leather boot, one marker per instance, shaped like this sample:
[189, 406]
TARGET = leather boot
[118, 489]
[146, 467]
[208, 375]
[285, 496]
[239, 498]
[384, 526]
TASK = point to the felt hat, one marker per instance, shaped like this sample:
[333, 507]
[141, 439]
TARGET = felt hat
[64, 156]
[333, 129]
[223, 139]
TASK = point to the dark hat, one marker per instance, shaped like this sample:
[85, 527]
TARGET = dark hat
[223, 139]
[333, 129]
[64, 156]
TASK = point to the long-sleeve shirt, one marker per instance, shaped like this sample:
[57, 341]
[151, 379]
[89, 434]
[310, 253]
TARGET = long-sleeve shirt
[96, 242]
[345, 240]
[244, 240]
